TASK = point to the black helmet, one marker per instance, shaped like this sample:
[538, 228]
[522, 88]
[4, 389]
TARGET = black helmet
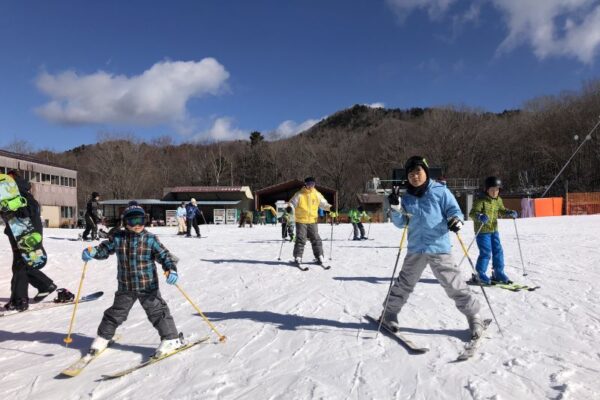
[414, 162]
[492, 181]
[95, 194]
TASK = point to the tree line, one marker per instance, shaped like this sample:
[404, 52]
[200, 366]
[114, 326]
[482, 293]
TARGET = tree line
[525, 147]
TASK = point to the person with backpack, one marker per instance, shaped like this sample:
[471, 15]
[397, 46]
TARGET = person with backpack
[92, 217]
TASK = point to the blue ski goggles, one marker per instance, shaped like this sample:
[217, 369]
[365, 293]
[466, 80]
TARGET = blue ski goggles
[137, 220]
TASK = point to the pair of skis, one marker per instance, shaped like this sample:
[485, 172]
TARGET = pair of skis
[513, 287]
[304, 266]
[469, 350]
[77, 367]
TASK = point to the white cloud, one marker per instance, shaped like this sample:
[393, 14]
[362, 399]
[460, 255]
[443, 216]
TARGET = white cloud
[222, 129]
[537, 24]
[435, 8]
[290, 128]
[158, 95]
[376, 105]
[551, 27]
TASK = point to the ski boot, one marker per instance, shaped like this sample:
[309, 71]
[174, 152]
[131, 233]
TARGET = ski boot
[42, 295]
[168, 346]
[475, 326]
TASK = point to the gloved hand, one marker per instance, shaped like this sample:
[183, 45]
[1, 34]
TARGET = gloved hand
[88, 253]
[484, 219]
[393, 197]
[512, 213]
[454, 224]
[172, 277]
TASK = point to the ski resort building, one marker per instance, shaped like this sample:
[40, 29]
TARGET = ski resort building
[53, 186]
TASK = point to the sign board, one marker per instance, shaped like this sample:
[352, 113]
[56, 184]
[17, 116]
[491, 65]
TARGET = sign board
[219, 215]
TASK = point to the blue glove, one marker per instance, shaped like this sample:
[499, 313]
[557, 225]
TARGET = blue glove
[172, 277]
[512, 213]
[484, 219]
[88, 253]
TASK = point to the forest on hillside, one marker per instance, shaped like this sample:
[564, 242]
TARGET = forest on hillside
[525, 147]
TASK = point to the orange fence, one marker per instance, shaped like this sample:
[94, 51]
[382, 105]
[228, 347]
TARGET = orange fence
[548, 207]
[583, 203]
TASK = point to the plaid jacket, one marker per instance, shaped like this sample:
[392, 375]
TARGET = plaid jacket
[135, 256]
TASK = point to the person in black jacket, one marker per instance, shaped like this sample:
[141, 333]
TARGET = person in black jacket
[23, 274]
[92, 217]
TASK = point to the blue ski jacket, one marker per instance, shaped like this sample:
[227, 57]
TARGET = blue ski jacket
[428, 226]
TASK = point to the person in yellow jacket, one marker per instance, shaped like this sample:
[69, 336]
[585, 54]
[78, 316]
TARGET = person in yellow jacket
[307, 202]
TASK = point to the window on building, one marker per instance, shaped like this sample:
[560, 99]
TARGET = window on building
[67, 212]
[37, 177]
[45, 178]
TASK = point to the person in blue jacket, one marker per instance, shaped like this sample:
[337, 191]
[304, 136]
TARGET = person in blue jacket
[430, 211]
[192, 212]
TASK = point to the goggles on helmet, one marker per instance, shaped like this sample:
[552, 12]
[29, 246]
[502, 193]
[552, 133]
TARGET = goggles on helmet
[136, 220]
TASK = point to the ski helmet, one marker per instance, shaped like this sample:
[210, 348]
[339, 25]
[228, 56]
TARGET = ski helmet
[95, 194]
[309, 181]
[414, 162]
[492, 181]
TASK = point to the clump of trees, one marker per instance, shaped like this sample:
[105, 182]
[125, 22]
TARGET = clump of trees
[525, 147]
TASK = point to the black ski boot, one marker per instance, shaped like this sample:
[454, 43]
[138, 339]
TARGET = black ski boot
[42, 295]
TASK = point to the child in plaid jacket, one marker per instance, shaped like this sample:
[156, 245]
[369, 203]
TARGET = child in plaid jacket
[137, 250]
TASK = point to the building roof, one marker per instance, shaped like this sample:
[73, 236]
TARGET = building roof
[209, 189]
[150, 202]
[28, 158]
[370, 198]
[294, 183]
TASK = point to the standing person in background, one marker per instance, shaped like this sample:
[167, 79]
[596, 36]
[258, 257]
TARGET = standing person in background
[306, 203]
[92, 217]
[287, 223]
[356, 216]
[181, 217]
[485, 212]
[192, 213]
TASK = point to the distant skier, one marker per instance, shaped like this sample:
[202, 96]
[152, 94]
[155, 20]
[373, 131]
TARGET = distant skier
[192, 213]
[245, 218]
[306, 203]
[430, 211]
[23, 274]
[485, 211]
[92, 217]
[181, 214]
[287, 223]
[137, 250]
[356, 217]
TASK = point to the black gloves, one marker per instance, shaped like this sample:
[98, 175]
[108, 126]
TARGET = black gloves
[393, 197]
[454, 224]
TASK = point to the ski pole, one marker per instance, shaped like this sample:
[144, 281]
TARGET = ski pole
[68, 339]
[204, 219]
[478, 281]
[221, 337]
[331, 241]
[519, 243]
[369, 230]
[281, 248]
[351, 232]
[470, 245]
[387, 298]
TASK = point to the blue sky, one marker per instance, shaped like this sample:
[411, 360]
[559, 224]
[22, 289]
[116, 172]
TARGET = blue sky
[213, 70]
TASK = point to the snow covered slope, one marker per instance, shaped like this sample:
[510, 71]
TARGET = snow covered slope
[300, 335]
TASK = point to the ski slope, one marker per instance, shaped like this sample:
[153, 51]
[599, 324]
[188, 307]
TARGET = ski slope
[301, 335]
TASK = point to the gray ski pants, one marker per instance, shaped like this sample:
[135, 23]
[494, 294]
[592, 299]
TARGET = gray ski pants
[444, 270]
[154, 305]
[312, 232]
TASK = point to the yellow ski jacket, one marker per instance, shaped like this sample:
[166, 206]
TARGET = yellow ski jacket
[306, 203]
